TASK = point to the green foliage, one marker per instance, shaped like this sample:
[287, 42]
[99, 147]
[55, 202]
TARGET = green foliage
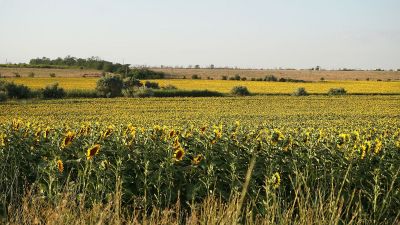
[236, 77]
[3, 96]
[52, 75]
[131, 82]
[144, 73]
[52, 91]
[31, 74]
[16, 74]
[224, 77]
[337, 91]
[196, 77]
[78, 93]
[109, 86]
[270, 78]
[152, 85]
[138, 92]
[301, 91]
[18, 91]
[240, 90]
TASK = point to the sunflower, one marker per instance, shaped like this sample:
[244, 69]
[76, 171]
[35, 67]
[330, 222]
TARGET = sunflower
[378, 146]
[92, 151]
[68, 139]
[276, 180]
[107, 132]
[60, 166]
[363, 151]
[197, 159]
[179, 153]
[46, 132]
[3, 139]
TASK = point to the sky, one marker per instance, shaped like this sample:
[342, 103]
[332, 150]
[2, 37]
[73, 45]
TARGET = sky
[358, 34]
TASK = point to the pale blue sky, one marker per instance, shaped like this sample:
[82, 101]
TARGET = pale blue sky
[252, 33]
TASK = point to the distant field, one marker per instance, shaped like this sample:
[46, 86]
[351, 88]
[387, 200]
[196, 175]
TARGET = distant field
[308, 75]
[42, 72]
[217, 74]
[260, 87]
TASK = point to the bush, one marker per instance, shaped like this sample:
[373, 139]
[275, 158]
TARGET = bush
[131, 82]
[138, 92]
[18, 91]
[282, 79]
[17, 74]
[322, 79]
[53, 91]
[337, 91]
[237, 77]
[259, 79]
[31, 74]
[52, 75]
[153, 85]
[253, 79]
[144, 73]
[231, 78]
[270, 78]
[109, 86]
[224, 77]
[195, 77]
[3, 96]
[240, 90]
[243, 78]
[300, 92]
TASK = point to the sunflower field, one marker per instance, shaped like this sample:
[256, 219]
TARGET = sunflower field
[336, 158]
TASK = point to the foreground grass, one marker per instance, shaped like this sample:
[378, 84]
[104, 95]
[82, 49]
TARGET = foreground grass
[225, 86]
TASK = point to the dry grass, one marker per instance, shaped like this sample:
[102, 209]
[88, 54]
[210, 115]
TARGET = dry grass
[43, 72]
[308, 75]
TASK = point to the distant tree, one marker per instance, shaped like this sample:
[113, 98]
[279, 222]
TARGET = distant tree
[212, 66]
[197, 66]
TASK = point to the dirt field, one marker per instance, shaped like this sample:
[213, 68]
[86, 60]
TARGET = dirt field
[308, 75]
[39, 72]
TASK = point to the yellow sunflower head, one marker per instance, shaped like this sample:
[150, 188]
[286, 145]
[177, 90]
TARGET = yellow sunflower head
[92, 151]
[68, 139]
[197, 159]
[179, 153]
[276, 180]
[60, 166]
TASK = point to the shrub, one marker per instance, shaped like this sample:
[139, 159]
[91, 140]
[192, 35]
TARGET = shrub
[195, 77]
[138, 92]
[282, 79]
[52, 75]
[16, 74]
[3, 96]
[153, 85]
[231, 78]
[322, 79]
[243, 78]
[31, 74]
[270, 78]
[237, 77]
[144, 73]
[253, 79]
[18, 91]
[337, 91]
[109, 86]
[259, 79]
[53, 91]
[300, 92]
[224, 77]
[131, 82]
[240, 90]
